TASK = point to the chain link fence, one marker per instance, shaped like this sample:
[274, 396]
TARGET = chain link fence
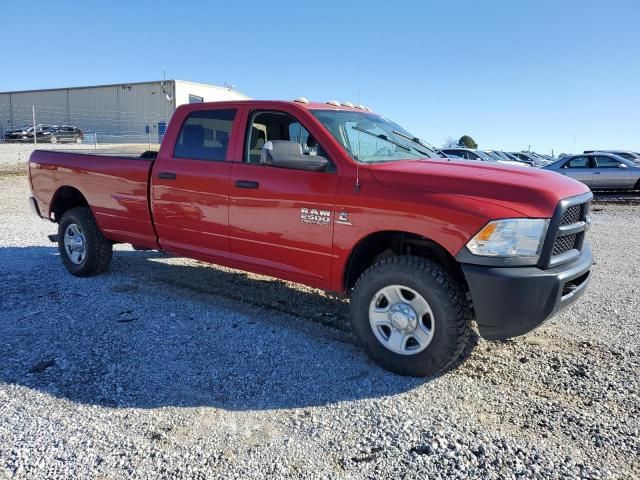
[79, 126]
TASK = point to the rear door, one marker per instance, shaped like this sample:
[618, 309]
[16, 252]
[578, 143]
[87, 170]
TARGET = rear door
[578, 168]
[611, 173]
[281, 219]
[190, 184]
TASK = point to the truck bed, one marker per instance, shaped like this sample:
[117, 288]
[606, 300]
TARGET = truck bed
[115, 187]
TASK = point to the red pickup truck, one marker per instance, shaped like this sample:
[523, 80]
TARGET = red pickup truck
[342, 199]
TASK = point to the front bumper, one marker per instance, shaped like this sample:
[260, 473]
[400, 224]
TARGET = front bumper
[511, 301]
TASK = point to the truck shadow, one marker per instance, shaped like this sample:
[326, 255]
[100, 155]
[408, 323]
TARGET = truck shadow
[130, 339]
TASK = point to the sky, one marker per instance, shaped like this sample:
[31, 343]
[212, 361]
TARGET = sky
[546, 75]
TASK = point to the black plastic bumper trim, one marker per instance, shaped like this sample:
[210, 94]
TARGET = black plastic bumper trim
[509, 302]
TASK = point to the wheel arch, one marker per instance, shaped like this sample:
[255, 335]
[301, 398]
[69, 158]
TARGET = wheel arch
[65, 198]
[382, 244]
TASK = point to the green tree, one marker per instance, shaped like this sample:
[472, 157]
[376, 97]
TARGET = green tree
[467, 142]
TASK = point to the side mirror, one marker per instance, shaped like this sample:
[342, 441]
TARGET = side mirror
[286, 154]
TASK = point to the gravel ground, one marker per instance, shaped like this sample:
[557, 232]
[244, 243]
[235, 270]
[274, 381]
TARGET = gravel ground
[169, 368]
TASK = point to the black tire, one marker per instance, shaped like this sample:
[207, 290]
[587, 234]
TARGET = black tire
[445, 296]
[98, 250]
[637, 187]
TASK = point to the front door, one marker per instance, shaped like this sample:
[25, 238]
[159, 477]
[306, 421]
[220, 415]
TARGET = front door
[190, 187]
[608, 173]
[281, 219]
[579, 169]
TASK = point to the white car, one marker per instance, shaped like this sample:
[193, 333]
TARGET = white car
[471, 154]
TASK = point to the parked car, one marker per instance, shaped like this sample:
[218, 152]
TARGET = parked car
[42, 133]
[17, 134]
[600, 170]
[471, 154]
[66, 133]
[626, 154]
[335, 197]
[529, 157]
[499, 156]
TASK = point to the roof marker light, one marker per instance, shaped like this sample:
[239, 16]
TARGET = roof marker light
[335, 103]
[361, 107]
[347, 104]
[301, 100]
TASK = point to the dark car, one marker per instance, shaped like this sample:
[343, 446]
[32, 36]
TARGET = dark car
[18, 134]
[66, 133]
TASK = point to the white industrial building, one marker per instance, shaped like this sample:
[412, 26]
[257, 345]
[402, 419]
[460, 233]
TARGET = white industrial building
[119, 113]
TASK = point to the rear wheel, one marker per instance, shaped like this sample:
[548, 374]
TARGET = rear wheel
[53, 139]
[83, 248]
[411, 315]
[77, 140]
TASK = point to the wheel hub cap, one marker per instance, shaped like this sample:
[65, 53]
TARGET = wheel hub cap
[75, 245]
[403, 318]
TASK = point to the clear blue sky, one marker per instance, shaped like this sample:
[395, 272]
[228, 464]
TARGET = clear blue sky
[562, 75]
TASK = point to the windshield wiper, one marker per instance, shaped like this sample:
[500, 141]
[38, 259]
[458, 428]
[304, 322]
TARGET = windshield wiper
[414, 140]
[383, 137]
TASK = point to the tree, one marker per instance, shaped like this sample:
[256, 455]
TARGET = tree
[467, 142]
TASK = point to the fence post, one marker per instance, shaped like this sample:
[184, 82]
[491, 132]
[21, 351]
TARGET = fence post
[149, 138]
[95, 140]
[33, 113]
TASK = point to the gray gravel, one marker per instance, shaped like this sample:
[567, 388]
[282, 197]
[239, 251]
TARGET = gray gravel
[169, 368]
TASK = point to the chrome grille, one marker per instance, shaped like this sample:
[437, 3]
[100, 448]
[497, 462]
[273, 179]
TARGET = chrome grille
[564, 244]
[572, 215]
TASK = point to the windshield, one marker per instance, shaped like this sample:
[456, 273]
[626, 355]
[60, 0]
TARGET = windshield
[484, 156]
[369, 138]
[493, 155]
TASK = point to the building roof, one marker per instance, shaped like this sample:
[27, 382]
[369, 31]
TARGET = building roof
[120, 85]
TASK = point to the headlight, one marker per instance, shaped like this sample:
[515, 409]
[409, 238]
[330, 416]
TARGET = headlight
[513, 237]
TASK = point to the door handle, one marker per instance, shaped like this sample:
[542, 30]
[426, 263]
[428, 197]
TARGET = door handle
[167, 175]
[597, 173]
[247, 184]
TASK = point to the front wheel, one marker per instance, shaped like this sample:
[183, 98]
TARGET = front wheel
[411, 315]
[83, 249]
[53, 139]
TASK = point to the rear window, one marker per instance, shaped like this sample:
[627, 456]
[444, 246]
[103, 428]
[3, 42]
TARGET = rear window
[205, 135]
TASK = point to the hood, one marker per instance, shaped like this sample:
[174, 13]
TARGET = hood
[530, 191]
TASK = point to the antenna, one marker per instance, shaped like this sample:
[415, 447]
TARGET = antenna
[356, 187]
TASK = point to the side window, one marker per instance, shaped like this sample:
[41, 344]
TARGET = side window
[606, 162]
[205, 135]
[271, 126]
[578, 162]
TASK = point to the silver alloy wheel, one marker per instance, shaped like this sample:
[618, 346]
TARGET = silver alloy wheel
[75, 244]
[401, 319]
[78, 140]
[53, 139]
